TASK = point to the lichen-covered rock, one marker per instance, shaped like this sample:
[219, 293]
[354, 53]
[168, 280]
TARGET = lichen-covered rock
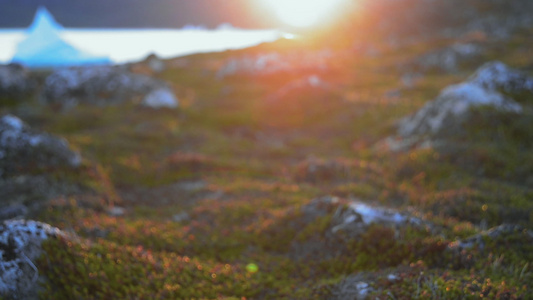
[99, 85]
[451, 107]
[492, 85]
[20, 243]
[23, 149]
[15, 81]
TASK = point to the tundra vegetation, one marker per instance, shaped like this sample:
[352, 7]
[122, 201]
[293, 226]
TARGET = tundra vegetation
[244, 191]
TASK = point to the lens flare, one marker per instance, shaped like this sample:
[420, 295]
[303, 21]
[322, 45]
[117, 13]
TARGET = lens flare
[302, 13]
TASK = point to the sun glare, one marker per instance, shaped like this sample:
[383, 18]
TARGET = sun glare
[302, 13]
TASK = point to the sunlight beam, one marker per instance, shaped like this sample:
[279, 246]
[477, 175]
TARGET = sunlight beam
[302, 13]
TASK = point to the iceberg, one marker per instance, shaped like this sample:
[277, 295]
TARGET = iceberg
[44, 47]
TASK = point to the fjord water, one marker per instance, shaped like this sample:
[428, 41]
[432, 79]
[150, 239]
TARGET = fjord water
[125, 45]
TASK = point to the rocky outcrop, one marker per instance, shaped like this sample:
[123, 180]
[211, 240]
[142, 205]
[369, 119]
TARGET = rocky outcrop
[23, 149]
[348, 219]
[20, 244]
[497, 76]
[492, 85]
[104, 85]
[15, 82]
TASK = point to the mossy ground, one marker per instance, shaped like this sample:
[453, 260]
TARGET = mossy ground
[249, 160]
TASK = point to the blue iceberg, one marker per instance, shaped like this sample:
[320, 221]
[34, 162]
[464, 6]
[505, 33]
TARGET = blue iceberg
[44, 47]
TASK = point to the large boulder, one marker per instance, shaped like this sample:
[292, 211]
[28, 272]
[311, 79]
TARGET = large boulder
[104, 85]
[493, 85]
[24, 150]
[20, 244]
[15, 82]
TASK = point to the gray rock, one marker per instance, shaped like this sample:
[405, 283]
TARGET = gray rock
[497, 76]
[490, 86]
[354, 214]
[451, 107]
[24, 149]
[20, 243]
[15, 81]
[99, 85]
